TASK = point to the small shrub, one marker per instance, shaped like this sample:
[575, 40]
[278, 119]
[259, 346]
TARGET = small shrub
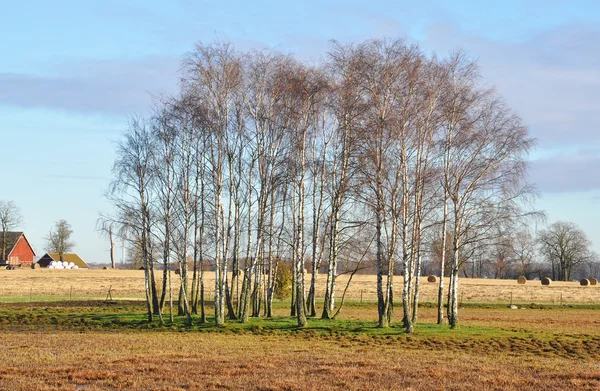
[283, 281]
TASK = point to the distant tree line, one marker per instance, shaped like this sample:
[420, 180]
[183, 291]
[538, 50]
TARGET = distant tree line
[560, 251]
[379, 154]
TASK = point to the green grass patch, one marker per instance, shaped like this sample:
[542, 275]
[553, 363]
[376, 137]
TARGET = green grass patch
[130, 316]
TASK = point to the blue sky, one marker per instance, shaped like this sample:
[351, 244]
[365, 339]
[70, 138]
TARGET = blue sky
[71, 72]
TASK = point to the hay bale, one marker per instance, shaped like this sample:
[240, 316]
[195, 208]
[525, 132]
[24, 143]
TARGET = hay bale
[432, 279]
[35, 266]
[177, 272]
[521, 280]
[104, 268]
[584, 282]
[546, 281]
[593, 281]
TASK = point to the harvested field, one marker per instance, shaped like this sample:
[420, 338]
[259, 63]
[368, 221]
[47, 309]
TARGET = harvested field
[44, 284]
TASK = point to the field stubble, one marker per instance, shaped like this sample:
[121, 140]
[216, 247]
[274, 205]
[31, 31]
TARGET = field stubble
[45, 284]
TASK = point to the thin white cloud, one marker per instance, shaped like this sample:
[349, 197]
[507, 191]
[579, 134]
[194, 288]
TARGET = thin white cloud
[552, 78]
[567, 173]
[106, 87]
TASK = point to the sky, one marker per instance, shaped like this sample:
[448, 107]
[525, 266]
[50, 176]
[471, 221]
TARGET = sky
[73, 72]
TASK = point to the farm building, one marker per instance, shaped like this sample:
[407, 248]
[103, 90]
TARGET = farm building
[70, 257]
[15, 249]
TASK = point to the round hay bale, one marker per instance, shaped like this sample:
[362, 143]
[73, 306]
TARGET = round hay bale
[432, 279]
[104, 268]
[75, 267]
[546, 281]
[584, 282]
[593, 281]
[177, 272]
[521, 280]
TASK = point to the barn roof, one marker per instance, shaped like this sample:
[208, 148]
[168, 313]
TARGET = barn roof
[12, 237]
[69, 257]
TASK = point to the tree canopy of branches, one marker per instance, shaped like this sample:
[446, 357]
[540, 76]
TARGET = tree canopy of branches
[565, 246]
[368, 156]
[59, 238]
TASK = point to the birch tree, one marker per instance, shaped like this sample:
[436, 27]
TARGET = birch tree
[130, 193]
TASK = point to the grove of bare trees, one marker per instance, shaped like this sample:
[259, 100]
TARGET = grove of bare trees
[565, 246]
[375, 155]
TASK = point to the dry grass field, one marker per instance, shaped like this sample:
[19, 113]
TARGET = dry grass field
[69, 360]
[45, 284]
[96, 345]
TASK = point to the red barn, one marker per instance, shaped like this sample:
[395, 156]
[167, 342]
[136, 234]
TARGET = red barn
[15, 249]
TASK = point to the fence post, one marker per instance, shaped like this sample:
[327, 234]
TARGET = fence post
[561, 299]
[361, 292]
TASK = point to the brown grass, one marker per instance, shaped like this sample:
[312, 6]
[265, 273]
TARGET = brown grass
[174, 361]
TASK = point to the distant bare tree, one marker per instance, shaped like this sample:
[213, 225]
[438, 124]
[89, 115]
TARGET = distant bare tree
[523, 247]
[10, 218]
[105, 227]
[59, 239]
[565, 246]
